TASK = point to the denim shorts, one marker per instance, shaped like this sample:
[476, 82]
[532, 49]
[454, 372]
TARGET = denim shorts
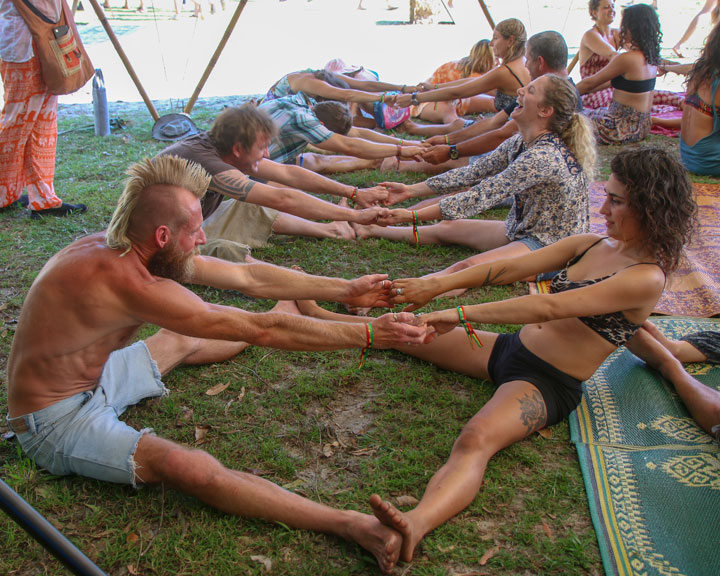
[535, 244]
[82, 434]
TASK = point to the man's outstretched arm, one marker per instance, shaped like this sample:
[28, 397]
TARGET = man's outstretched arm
[262, 280]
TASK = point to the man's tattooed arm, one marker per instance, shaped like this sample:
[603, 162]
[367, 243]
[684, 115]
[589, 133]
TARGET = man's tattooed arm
[233, 184]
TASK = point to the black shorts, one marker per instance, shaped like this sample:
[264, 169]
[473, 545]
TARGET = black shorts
[510, 360]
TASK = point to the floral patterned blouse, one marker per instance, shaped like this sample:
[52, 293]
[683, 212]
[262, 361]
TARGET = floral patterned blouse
[547, 184]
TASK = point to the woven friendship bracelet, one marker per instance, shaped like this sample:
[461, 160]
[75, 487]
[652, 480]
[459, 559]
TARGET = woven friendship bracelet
[471, 334]
[369, 336]
[416, 236]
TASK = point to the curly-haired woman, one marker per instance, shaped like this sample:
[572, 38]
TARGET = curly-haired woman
[632, 77]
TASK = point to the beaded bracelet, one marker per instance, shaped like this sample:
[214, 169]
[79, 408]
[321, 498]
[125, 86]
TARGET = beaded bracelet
[369, 336]
[471, 334]
[447, 139]
[382, 98]
[416, 220]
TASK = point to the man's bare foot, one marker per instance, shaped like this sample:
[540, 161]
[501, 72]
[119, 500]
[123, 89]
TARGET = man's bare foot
[286, 307]
[392, 517]
[380, 540]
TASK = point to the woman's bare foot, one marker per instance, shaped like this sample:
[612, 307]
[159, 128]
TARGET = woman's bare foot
[671, 345]
[341, 230]
[363, 231]
[390, 516]
[309, 308]
[390, 164]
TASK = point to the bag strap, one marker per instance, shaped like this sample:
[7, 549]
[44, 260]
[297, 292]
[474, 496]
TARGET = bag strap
[37, 12]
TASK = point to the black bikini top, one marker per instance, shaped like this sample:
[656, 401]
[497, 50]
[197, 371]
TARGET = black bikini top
[634, 86]
[614, 327]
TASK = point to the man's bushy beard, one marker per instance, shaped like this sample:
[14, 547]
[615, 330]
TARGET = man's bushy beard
[170, 262]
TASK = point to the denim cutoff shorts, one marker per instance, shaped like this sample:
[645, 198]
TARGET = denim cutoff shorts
[535, 244]
[82, 434]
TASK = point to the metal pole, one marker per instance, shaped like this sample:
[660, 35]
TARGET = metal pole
[124, 58]
[487, 14]
[215, 56]
[49, 537]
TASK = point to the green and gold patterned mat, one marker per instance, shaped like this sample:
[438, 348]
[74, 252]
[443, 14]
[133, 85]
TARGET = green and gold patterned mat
[651, 474]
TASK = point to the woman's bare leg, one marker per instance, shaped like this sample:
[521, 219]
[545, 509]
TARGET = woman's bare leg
[290, 225]
[513, 413]
[479, 235]
[335, 164]
[396, 165]
[481, 104]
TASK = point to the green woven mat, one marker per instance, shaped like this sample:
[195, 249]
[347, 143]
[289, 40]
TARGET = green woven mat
[651, 474]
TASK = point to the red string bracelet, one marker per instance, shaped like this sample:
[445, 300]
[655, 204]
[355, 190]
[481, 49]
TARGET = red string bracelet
[353, 195]
[415, 228]
[369, 336]
[471, 334]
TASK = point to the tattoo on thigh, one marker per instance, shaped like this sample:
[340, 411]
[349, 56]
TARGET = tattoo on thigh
[235, 186]
[532, 411]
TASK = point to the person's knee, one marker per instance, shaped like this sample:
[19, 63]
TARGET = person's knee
[475, 438]
[190, 470]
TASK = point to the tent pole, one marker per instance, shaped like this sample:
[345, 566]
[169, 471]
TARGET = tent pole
[45, 533]
[487, 14]
[124, 58]
[215, 56]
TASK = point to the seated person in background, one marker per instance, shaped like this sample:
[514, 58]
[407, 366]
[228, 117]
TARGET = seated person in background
[235, 147]
[606, 289]
[480, 61]
[632, 77]
[597, 47]
[71, 372]
[546, 170]
[601, 44]
[508, 44]
[546, 53]
[668, 356]
[328, 126]
[700, 130]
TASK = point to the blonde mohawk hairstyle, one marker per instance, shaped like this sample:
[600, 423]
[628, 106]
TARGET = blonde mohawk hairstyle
[158, 171]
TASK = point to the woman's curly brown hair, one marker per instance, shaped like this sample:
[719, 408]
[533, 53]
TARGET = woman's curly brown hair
[642, 22]
[660, 194]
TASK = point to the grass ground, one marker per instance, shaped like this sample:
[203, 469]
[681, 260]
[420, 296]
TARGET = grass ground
[311, 422]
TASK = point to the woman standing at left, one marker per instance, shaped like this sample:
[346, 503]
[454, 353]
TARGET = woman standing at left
[28, 122]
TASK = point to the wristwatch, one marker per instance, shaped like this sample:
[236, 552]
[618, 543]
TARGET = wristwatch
[414, 100]
[454, 154]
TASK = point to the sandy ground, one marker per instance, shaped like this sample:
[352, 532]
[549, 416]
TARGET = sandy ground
[273, 37]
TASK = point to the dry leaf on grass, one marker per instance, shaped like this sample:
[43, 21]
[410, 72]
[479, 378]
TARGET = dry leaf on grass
[546, 433]
[489, 553]
[406, 500]
[201, 433]
[329, 449]
[546, 528]
[264, 560]
[132, 538]
[215, 390]
[132, 570]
